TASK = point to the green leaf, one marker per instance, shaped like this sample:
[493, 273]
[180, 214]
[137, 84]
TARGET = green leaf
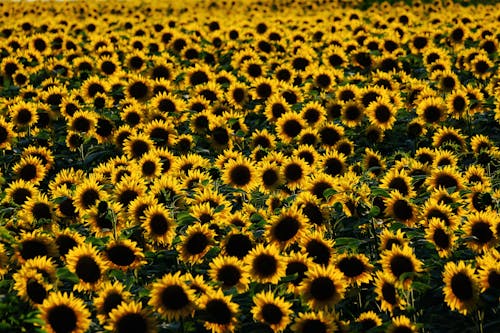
[66, 275]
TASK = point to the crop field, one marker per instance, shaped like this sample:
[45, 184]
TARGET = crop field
[249, 166]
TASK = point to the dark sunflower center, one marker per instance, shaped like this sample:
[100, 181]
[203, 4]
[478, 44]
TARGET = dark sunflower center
[121, 255]
[399, 184]
[292, 128]
[382, 113]
[139, 148]
[264, 90]
[271, 314]
[402, 210]
[462, 287]
[138, 90]
[36, 291]
[494, 279]
[64, 244]
[174, 298]
[111, 301]
[402, 329]
[432, 114]
[286, 228]
[311, 116]
[446, 181]
[104, 127]
[229, 275]
[198, 77]
[28, 172]
[346, 95]
[319, 188]
[270, 177]
[313, 213]
[238, 245]
[89, 197]
[41, 211]
[334, 166]
[218, 312]
[220, 135]
[196, 243]
[33, 248]
[401, 264]
[81, 124]
[352, 113]
[441, 239]
[240, 175]
[322, 288]
[313, 326]
[351, 267]
[88, 270]
[62, 319]
[329, 136]
[293, 172]
[482, 67]
[24, 116]
[127, 196]
[277, 110]
[4, 134]
[420, 42]
[482, 231]
[323, 80]
[319, 251]
[20, 195]
[149, 168]
[159, 224]
[132, 323]
[296, 267]
[265, 265]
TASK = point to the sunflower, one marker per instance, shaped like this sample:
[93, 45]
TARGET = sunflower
[4, 261]
[402, 324]
[317, 247]
[313, 209]
[229, 272]
[355, 267]
[30, 169]
[476, 175]
[124, 254]
[110, 296]
[34, 244]
[62, 312]
[447, 177]
[172, 297]
[284, 73]
[31, 286]
[67, 239]
[461, 290]
[196, 242]
[480, 228]
[441, 236]
[265, 264]
[416, 128]
[373, 162]
[199, 74]
[431, 110]
[240, 173]
[401, 264]
[323, 287]
[306, 152]
[86, 262]
[218, 311]
[352, 113]
[481, 66]
[133, 115]
[23, 114]
[88, 194]
[398, 180]
[44, 265]
[312, 322]
[287, 227]
[221, 133]
[368, 320]
[381, 112]
[319, 183]
[313, 113]
[443, 158]
[289, 126]
[237, 244]
[37, 209]
[19, 191]
[271, 310]
[275, 107]
[489, 272]
[137, 144]
[387, 292]
[295, 172]
[7, 134]
[158, 223]
[130, 317]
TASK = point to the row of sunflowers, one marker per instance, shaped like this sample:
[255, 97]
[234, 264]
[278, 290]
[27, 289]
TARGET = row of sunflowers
[286, 166]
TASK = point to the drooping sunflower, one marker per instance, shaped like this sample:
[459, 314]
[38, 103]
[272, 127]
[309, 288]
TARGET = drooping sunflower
[218, 311]
[323, 287]
[355, 267]
[271, 310]
[196, 242]
[265, 263]
[312, 322]
[87, 263]
[401, 264]
[373, 162]
[172, 297]
[62, 312]
[387, 292]
[368, 320]
[109, 297]
[443, 158]
[239, 173]
[158, 223]
[441, 236]
[131, 317]
[461, 290]
[229, 272]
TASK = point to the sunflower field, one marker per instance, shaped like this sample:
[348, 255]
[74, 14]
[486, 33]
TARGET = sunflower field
[249, 166]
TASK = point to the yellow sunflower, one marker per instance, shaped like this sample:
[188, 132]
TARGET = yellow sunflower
[271, 310]
[461, 290]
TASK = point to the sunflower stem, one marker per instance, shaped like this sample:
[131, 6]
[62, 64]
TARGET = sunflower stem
[480, 317]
